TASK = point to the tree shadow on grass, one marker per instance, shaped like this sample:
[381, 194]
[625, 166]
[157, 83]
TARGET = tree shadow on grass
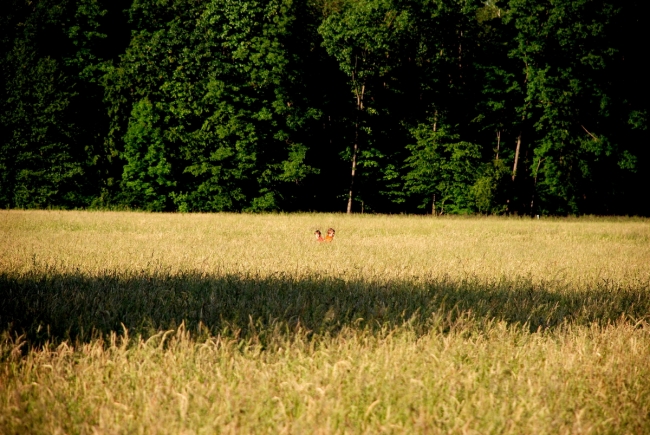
[51, 306]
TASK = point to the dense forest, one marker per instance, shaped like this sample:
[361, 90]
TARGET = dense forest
[383, 106]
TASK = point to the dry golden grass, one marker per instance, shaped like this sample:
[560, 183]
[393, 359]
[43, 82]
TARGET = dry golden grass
[227, 323]
[578, 250]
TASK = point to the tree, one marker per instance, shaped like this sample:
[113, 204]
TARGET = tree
[50, 104]
[365, 38]
[519, 106]
[147, 173]
[441, 171]
[563, 49]
[227, 92]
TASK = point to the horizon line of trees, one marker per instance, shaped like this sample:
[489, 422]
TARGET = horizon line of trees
[418, 106]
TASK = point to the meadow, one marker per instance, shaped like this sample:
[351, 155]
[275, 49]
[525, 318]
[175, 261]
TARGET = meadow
[125, 322]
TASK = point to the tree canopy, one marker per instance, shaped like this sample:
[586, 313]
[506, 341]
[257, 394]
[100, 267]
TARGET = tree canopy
[419, 106]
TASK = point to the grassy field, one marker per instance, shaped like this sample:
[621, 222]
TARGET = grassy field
[225, 323]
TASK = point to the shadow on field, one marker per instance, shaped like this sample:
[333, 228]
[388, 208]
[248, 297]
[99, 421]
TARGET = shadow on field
[49, 305]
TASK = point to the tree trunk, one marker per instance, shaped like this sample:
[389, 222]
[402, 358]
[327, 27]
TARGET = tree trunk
[514, 167]
[460, 57]
[354, 167]
[532, 199]
[498, 143]
[355, 149]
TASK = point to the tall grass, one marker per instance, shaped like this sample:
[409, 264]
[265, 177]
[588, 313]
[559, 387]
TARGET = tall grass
[135, 322]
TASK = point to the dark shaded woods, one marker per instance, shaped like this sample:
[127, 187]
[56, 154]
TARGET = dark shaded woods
[390, 106]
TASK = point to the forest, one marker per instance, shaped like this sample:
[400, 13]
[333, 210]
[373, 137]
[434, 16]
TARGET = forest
[519, 107]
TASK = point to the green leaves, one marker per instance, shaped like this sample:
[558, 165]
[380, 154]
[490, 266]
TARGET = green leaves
[364, 36]
[256, 104]
[222, 81]
[563, 49]
[441, 165]
[50, 104]
[147, 173]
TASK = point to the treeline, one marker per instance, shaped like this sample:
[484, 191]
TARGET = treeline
[446, 106]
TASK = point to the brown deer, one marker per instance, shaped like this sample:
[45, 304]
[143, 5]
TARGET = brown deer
[330, 235]
[328, 238]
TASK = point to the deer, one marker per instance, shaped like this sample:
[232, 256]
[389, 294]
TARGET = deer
[328, 238]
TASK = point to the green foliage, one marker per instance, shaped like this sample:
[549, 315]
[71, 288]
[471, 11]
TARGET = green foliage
[224, 84]
[364, 38]
[441, 165]
[256, 105]
[563, 50]
[489, 186]
[147, 171]
[49, 142]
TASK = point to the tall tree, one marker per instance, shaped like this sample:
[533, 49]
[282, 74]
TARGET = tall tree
[526, 106]
[147, 173]
[365, 38]
[441, 171]
[50, 103]
[563, 49]
[227, 91]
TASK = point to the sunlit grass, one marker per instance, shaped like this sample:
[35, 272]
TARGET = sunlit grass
[204, 323]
